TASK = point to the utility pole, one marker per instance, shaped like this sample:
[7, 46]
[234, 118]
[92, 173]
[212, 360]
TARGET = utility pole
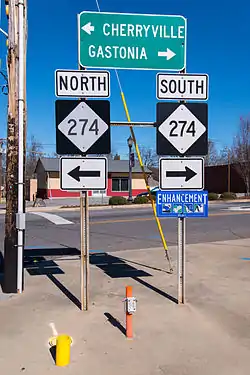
[1, 167]
[14, 218]
[10, 240]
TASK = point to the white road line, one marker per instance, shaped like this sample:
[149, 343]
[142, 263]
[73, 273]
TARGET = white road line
[238, 208]
[58, 220]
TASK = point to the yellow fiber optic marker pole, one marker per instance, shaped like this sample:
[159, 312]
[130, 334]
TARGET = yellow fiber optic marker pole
[145, 176]
[142, 165]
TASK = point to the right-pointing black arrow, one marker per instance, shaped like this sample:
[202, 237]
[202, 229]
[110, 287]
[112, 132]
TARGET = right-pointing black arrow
[76, 173]
[188, 174]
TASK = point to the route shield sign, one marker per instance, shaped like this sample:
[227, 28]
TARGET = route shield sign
[132, 41]
[82, 127]
[182, 129]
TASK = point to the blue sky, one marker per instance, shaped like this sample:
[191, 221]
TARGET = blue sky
[217, 44]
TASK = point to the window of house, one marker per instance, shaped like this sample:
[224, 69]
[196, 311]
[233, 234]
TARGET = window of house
[119, 184]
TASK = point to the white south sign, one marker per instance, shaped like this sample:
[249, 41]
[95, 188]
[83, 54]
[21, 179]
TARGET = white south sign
[181, 173]
[83, 127]
[182, 129]
[182, 86]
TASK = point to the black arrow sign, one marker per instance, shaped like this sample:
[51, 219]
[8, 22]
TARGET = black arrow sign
[188, 174]
[76, 173]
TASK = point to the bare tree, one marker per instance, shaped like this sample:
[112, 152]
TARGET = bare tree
[149, 157]
[225, 155]
[53, 155]
[34, 152]
[241, 151]
[212, 157]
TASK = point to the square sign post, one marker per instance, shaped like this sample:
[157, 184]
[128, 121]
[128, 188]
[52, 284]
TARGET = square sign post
[182, 204]
[132, 41]
[182, 131]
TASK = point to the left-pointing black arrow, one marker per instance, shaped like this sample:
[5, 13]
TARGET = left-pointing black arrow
[188, 174]
[77, 174]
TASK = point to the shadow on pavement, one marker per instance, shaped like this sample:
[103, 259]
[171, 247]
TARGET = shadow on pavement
[115, 323]
[1, 269]
[65, 291]
[159, 291]
[38, 265]
[52, 351]
[60, 251]
[1, 262]
[146, 266]
[116, 267]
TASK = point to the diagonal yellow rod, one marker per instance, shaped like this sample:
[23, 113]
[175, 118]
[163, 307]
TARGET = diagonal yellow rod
[146, 182]
[142, 166]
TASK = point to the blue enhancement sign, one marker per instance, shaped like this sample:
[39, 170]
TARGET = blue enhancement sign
[182, 203]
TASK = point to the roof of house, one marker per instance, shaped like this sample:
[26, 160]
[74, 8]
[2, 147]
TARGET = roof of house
[115, 166]
[122, 166]
[49, 164]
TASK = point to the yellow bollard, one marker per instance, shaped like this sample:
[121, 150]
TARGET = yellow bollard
[63, 343]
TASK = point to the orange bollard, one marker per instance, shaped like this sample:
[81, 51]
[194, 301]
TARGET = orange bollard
[129, 316]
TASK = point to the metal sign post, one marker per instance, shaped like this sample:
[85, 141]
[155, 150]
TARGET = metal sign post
[181, 261]
[84, 212]
[181, 255]
[87, 247]
[181, 204]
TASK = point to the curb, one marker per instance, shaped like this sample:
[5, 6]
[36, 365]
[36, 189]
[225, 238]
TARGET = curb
[76, 208]
[230, 201]
[108, 207]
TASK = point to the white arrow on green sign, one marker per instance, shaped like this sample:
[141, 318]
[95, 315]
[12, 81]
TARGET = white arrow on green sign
[132, 41]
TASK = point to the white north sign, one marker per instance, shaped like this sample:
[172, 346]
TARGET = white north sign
[82, 83]
[181, 173]
[182, 86]
[80, 173]
[182, 129]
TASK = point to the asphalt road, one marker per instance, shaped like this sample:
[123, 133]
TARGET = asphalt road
[121, 229]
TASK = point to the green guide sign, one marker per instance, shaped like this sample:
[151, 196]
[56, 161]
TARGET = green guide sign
[132, 41]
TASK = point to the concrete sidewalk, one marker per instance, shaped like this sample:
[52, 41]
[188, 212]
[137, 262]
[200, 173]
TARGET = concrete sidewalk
[208, 335]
